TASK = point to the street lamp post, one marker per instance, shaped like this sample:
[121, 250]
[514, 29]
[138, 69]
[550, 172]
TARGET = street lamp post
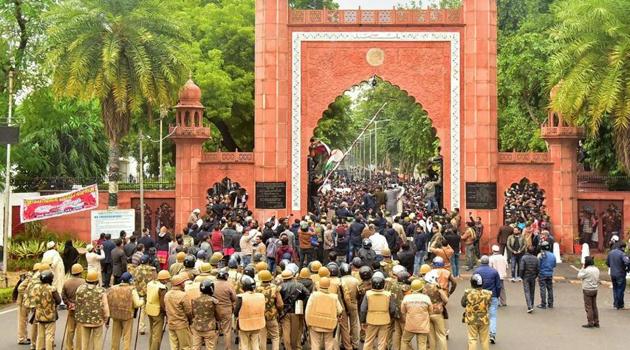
[7, 187]
[141, 160]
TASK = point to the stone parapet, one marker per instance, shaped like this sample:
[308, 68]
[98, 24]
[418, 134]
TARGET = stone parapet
[377, 17]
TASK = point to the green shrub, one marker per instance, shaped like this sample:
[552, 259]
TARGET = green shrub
[6, 295]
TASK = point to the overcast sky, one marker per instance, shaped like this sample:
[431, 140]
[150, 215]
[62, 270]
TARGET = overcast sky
[375, 4]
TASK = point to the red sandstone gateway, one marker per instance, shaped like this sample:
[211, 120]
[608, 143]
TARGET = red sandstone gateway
[445, 59]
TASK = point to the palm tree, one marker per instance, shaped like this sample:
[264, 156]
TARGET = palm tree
[124, 53]
[592, 65]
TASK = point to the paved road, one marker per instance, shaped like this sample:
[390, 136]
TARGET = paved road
[544, 329]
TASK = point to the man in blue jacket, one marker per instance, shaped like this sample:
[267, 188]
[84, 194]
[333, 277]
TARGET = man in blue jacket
[491, 282]
[617, 261]
[546, 264]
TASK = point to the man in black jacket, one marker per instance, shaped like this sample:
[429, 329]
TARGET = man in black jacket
[528, 272]
[292, 323]
[119, 261]
[406, 256]
[106, 264]
[356, 228]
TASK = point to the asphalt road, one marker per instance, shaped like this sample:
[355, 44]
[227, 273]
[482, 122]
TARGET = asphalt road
[559, 328]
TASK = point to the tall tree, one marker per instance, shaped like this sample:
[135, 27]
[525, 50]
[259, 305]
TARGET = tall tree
[591, 66]
[124, 53]
[314, 4]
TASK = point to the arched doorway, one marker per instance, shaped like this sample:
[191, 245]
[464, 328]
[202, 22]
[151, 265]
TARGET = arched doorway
[525, 204]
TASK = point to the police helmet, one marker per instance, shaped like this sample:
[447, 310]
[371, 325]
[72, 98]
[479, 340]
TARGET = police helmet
[476, 281]
[189, 261]
[248, 284]
[207, 287]
[344, 269]
[223, 274]
[403, 276]
[250, 271]
[126, 277]
[334, 269]
[378, 282]
[46, 277]
[357, 262]
[233, 262]
[365, 272]
[367, 244]
[144, 259]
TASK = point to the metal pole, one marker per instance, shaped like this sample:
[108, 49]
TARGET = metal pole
[141, 137]
[161, 144]
[7, 187]
[376, 143]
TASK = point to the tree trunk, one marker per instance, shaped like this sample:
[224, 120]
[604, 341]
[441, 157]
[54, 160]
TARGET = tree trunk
[227, 140]
[114, 173]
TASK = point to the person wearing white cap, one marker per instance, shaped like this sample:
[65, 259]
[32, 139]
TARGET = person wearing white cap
[194, 216]
[52, 257]
[94, 259]
[499, 262]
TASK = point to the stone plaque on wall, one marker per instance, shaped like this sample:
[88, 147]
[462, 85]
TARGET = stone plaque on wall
[271, 195]
[481, 195]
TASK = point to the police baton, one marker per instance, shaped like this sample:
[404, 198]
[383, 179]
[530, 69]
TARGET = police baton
[135, 344]
[105, 334]
[65, 329]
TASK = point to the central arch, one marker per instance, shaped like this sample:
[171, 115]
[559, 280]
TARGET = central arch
[425, 64]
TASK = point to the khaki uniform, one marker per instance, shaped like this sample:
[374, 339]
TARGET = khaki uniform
[439, 297]
[251, 319]
[226, 298]
[46, 299]
[23, 308]
[68, 295]
[204, 324]
[142, 275]
[322, 311]
[29, 302]
[349, 324]
[273, 303]
[178, 313]
[398, 323]
[122, 299]
[91, 313]
[476, 303]
[415, 310]
[378, 305]
[154, 309]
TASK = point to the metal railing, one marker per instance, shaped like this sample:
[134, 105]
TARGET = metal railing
[63, 184]
[376, 17]
[591, 182]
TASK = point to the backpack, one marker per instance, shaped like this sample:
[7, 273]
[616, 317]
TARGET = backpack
[273, 244]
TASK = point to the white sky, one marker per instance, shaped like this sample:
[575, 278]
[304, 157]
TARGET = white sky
[376, 4]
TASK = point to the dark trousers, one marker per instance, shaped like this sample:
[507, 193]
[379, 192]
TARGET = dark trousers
[308, 255]
[590, 305]
[619, 287]
[106, 271]
[546, 290]
[516, 264]
[529, 287]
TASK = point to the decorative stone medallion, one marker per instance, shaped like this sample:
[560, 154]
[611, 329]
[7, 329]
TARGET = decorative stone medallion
[375, 57]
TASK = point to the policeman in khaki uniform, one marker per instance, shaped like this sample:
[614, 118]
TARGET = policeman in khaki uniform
[92, 312]
[46, 299]
[415, 309]
[156, 290]
[314, 266]
[322, 311]
[476, 303]
[178, 266]
[123, 298]
[439, 298]
[192, 288]
[68, 295]
[399, 288]
[349, 322]
[387, 264]
[273, 303]
[204, 323]
[142, 275]
[23, 306]
[377, 310]
[30, 298]
[178, 313]
[250, 308]
[226, 298]
[292, 322]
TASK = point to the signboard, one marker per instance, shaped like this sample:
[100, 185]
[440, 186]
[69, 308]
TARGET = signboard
[112, 222]
[271, 195]
[45, 207]
[481, 195]
[9, 135]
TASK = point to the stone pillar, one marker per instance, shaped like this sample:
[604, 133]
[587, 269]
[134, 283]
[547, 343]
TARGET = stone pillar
[562, 140]
[272, 127]
[188, 135]
[479, 126]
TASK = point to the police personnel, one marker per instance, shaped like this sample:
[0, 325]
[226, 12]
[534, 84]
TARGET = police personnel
[142, 275]
[292, 322]
[189, 266]
[68, 295]
[178, 313]
[155, 309]
[377, 310]
[226, 298]
[322, 311]
[123, 299]
[46, 299]
[204, 322]
[178, 266]
[273, 303]
[35, 281]
[415, 309]
[23, 302]
[349, 322]
[92, 312]
[476, 303]
[250, 310]
[439, 298]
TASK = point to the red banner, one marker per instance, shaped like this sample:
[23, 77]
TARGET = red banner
[45, 207]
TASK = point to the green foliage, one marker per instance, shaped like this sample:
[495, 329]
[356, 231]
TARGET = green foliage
[337, 125]
[313, 4]
[6, 295]
[59, 138]
[592, 65]
[27, 249]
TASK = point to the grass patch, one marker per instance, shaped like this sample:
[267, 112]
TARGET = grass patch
[6, 295]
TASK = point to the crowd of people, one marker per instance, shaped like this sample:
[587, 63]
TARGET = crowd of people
[377, 264]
